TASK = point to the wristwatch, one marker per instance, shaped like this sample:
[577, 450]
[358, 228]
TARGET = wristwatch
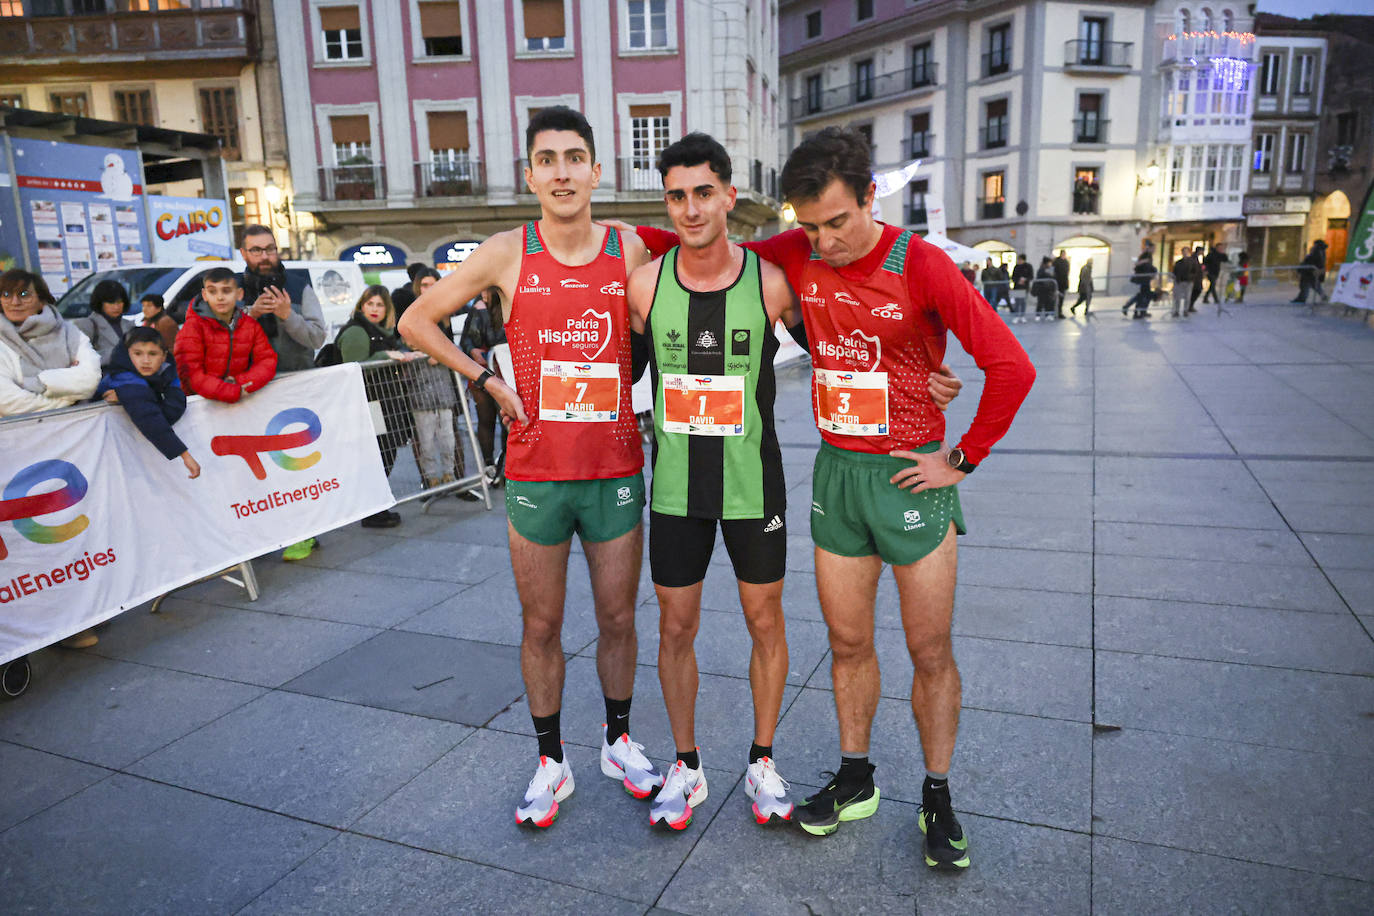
[960, 462]
[480, 382]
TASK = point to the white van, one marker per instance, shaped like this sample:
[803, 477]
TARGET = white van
[338, 284]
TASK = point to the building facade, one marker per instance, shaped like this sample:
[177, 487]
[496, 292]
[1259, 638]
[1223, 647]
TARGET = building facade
[406, 118]
[184, 65]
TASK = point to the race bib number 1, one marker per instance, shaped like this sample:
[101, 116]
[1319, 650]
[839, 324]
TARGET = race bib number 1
[574, 392]
[851, 403]
[703, 405]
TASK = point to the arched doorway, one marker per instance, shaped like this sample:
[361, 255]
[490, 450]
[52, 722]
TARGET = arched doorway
[1336, 209]
[1000, 253]
[1083, 248]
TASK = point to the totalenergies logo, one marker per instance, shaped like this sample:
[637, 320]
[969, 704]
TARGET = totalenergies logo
[274, 442]
[21, 508]
[172, 225]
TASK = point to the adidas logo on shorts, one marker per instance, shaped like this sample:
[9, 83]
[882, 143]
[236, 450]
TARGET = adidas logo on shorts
[774, 524]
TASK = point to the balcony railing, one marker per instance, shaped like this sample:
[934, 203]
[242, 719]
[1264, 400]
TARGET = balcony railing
[916, 213]
[923, 75]
[991, 207]
[992, 136]
[450, 178]
[82, 33]
[353, 182]
[880, 86]
[1080, 52]
[1089, 129]
[918, 145]
[639, 175]
[996, 62]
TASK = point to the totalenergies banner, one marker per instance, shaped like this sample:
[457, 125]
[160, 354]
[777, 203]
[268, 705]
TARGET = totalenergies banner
[93, 520]
[189, 229]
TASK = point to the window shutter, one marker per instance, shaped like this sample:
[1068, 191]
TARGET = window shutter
[350, 129]
[650, 111]
[440, 20]
[997, 108]
[448, 130]
[336, 18]
[544, 19]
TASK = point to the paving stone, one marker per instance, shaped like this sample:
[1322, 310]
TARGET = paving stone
[1356, 587]
[1272, 706]
[876, 866]
[463, 806]
[1051, 570]
[111, 713]
[491, 612]
[1000, 759]
[1229, 795]
[1341, 551]
[1029, 615]
[1192, 542]
[1131, 878]
[453, 679]
[238, 645]
[1259, 636]
[34, 780]
[320, 760]
[1018, 504]
[1247, 584]
[989, 529]
[422, 559]
[127, 845]
[359, 875]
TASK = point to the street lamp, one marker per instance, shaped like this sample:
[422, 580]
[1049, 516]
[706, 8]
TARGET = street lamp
[272, 193]
[1151, 174]
[788, 214]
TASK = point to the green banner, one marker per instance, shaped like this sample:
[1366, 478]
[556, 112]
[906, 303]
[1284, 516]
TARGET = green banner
[1361, 244]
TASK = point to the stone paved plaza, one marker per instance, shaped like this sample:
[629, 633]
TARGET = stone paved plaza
[1163, 624]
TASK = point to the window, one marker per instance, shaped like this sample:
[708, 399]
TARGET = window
[87, 7]
[918, 144]
[352, 138]
[650, 134]
[343, 33]
[1307, 68]
[1088, 125]
[451, 168]
[12, 100]
[863, 79]
[134, 106]
[441, 29]
[11, 8]
[995, 124]
[1270, 67]
[1263, 161]
[813, 93]
[1086, 189]
[1092, 32]
[993, 201]
[219, 116]
[863, 9]
[1296, 158]
[1346, 123]
[916, 202]
[922, 66]
[813, 24]
[998, 57]
[648, 23]
[70, 103]
[544, 26]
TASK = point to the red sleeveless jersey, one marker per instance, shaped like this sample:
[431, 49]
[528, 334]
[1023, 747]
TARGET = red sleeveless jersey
[569, 336]
[872, 352]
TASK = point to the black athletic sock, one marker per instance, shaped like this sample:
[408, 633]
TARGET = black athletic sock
[759, 750]
[854, 774]
[550, 735]
[617, 718]
[931, 785]
[692, 758]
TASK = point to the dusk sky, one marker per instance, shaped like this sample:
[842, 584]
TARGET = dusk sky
[1301, 9]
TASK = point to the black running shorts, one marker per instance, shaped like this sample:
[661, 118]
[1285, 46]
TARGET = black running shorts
[680, 548]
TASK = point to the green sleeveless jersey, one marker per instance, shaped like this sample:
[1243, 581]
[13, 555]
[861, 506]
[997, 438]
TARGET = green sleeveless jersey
[711, 354]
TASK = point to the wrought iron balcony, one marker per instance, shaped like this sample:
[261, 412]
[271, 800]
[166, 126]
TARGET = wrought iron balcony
[918, 145]
[353, 182]
[916, 213]
[1089, 129]
[880, 86]
[1092, 54]
[996, 62]
[76, 32]
[992, 135]
[991, 207]
[450, 178]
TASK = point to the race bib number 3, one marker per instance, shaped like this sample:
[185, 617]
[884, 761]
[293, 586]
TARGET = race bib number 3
[851, 403]
[578, 392]
[703, 405]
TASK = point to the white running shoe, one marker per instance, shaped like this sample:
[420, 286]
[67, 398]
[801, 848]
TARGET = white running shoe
[683, 790]
[625, 760]
[552, 783]
[768, 790]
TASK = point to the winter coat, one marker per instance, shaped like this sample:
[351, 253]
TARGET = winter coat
[1213, 263]
[1022, 275]
[45, 363]
[296, 337]
[1143, 274]
[1061, 273]
[1185, 270]
[103, 334]
[153, 402]
[208, 353]
[1085, 277]
[165, 325]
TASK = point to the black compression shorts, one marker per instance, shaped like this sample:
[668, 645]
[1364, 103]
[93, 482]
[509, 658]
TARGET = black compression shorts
[680, 548]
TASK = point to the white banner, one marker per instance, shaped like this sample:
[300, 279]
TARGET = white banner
[93, 520]
[1355, 286]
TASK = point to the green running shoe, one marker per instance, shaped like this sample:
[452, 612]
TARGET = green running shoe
[299, 550]
[945, 844]
[822, 813]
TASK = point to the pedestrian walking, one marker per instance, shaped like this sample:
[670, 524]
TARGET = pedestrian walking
[1143, 276]
[1021, 276]
[1197, 281]
[1045, 290]
[1212, 263]
[1061, 280]
[1085, 289]
[1311, 273]
[1187, 275]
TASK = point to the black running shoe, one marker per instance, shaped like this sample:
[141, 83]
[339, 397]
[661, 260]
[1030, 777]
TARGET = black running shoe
[945, 843]
[822, 813]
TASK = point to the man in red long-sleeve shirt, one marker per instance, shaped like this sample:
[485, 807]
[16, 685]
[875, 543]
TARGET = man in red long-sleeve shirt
[877, 302]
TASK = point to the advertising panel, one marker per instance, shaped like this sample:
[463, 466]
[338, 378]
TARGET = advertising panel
[190, 229]
[450, 254]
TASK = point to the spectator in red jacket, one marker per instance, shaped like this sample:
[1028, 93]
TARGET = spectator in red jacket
[221, 351]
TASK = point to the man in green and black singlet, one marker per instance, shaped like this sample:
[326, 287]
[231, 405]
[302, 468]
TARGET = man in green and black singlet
[708, 308]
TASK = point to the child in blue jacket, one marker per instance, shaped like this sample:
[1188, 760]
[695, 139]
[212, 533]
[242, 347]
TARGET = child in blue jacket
[143, 381]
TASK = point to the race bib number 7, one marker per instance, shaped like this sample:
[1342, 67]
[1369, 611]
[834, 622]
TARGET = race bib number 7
[578, 392]
[703, 405]
[851, 403]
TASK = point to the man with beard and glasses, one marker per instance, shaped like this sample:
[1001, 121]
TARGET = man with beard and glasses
[289, 312]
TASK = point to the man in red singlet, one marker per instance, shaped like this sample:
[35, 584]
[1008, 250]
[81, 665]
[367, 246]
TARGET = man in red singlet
[877, 303]
[574, 457]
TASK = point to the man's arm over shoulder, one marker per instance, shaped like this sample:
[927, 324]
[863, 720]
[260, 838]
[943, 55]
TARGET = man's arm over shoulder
[933, 278]
[639, 292]
[781, 303]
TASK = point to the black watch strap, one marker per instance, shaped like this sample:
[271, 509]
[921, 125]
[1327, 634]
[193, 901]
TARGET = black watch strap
[960, 462]
[481, 381]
